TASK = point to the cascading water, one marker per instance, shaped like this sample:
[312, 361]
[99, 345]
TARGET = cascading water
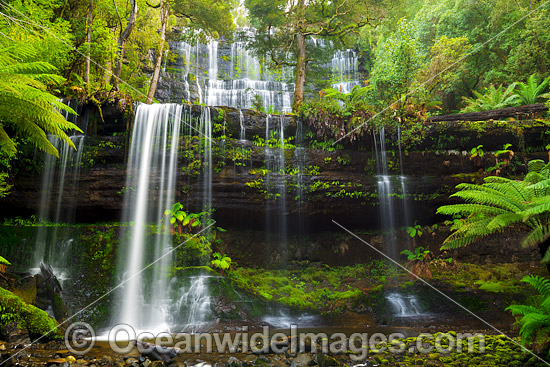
[242, 136]
[223, 73]
[404, 305]
[244, 80]
[394, 206]
[148, 300]
[60, 178]
[275, 178]
[147, 169]
[195, 300]
[344, 65]
[394, 211]
[300, 162]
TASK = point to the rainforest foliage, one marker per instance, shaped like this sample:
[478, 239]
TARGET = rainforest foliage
[427, 50]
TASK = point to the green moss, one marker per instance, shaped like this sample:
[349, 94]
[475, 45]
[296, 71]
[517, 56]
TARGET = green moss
[322, 288]
[28, 317]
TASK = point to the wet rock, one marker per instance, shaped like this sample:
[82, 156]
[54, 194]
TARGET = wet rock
[57, 361]
[324, 360]
[261, 360]
[248, 360]
[133, 362]
[233, 362]
[156, 352]
[303, 360]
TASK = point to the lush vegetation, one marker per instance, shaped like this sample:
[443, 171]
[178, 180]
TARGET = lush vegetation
[26, 316]
[416, 59]
[500, 203]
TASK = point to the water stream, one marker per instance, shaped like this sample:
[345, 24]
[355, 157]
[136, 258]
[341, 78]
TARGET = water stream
[148, 300]
[58, 195]
[394, 212]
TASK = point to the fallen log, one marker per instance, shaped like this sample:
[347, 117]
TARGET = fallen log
[492, 114]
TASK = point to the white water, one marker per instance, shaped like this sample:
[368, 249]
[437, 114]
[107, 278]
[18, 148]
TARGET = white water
[246, 79]
[149, 299]
[344, 65]
[242, 136]
[60, 178]
[195, 300]
[152, 166]
[227, 74]
[404, 305]
[275, 179]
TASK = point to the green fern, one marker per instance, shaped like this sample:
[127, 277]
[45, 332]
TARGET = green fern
[492, 99]
[354, 99]
[26, 107]
[532, 91]
[501, 203]
[535, 319]
[4, 261]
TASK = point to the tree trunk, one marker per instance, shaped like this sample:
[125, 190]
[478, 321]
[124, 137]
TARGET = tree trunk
[89, 42]
[300, 71]
[122, 44]
[164, 12]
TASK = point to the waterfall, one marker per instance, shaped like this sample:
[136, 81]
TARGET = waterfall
[404, 305]
[59, 189]
[275, 178]
[152, 169]
[224, 73]
[196, 300]
[243, 79]
[241, 122]
[148, 299]
[393, 212]
[384, 183]
[344, 66]
[301, 188]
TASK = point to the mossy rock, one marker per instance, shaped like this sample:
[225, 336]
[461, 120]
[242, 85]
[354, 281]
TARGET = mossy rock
[33, 319]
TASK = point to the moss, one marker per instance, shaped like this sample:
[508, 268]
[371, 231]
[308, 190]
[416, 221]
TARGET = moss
[323, 288]
[28, 317]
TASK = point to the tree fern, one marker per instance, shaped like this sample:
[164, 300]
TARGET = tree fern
[501, 203]
[26, 107]
[531, 91]
[492, 99]
[535, 319]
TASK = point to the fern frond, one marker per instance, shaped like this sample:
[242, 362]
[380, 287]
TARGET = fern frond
[467, 234]
[538, 235]
[491, 198]
[521, 309]
[25, 105]
[504, 220]
[540, 189]
[467, 209]
[541, 284]
[6, 144]
[537, 207]
[531, 324]
[536, 165]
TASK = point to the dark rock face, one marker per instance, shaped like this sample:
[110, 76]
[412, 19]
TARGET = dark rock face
[336, 184]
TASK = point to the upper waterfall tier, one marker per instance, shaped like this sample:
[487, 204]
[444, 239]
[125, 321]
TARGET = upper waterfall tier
[225, 73]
